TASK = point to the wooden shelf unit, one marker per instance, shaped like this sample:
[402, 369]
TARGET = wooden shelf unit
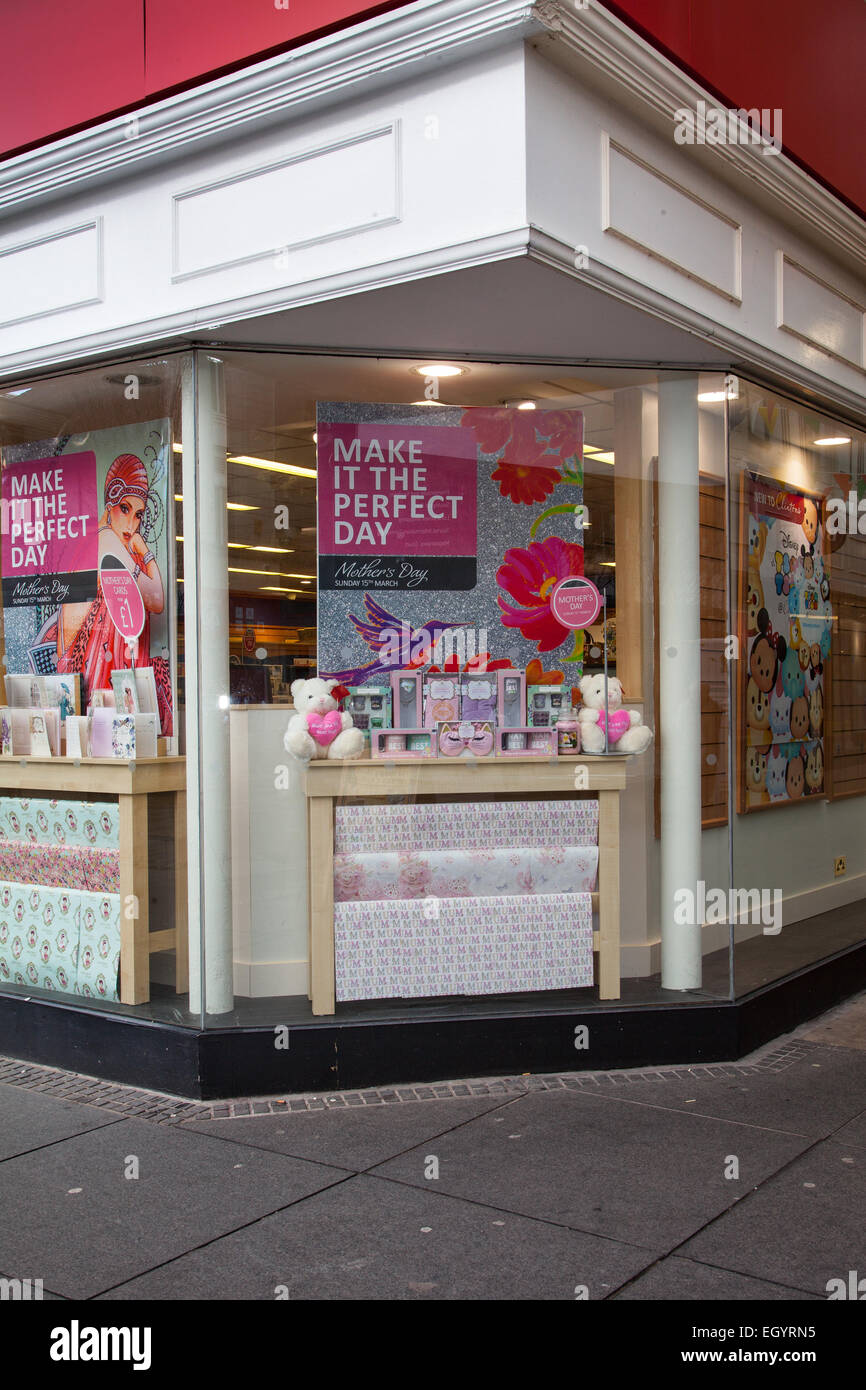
[330, 780]
[131, 783]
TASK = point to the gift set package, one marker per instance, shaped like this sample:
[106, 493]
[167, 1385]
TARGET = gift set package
[476, 714]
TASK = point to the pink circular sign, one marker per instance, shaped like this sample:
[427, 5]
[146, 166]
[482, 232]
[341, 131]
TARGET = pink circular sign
[575, 602]
[122, 598]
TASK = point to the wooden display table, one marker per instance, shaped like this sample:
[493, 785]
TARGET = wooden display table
[330, 780]
[131, 783]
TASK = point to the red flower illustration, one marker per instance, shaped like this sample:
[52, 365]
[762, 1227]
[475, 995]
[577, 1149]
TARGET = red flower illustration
[525, 482]
[492, 426]
[529, 577]
[566, 433]
[536, 674]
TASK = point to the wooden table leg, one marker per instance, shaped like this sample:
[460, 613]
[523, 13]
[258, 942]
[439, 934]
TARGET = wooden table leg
[181, 930]
[134, 900]
[608, 895]
[321, 860]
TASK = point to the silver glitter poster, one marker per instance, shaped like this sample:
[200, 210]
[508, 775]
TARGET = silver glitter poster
[442, 532]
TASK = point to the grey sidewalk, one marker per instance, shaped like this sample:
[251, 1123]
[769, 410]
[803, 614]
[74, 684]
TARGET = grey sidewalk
[743, 1181]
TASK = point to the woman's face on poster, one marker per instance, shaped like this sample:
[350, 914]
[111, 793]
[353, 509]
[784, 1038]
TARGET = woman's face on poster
[125, 519]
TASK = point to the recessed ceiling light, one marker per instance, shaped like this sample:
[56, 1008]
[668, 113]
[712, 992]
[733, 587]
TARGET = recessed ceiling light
[710, 397]
[591, 449]
[276, 589]
[439, 369]
[230, 506]
[269, 549]
[272, 465]
[603, 456]
[428, 402]
[833, 439]
[520, 404]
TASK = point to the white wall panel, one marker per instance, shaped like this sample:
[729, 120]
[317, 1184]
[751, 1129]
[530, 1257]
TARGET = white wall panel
[311, 197]
[812, 310]
[657, 215]
[56, 271]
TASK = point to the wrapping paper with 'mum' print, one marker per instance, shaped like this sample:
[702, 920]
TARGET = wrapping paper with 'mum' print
[387, 950]
[466, 825]
[60, 939]
[48, 821]
[464, 873]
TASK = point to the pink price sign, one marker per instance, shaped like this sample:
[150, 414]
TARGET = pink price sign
[575, 602]
[122, 598]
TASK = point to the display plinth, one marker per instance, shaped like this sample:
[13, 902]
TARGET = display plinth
[131, 783]
[330, 780]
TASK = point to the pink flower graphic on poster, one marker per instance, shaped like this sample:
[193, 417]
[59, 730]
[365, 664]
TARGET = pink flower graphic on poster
[529, 577]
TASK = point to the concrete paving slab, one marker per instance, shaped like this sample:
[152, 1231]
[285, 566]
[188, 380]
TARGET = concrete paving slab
[804, 1227]
[29, 1120]
[70, 1216]
[685, 1280]
[350, 1138]
[813, 1096]
[373, 1239]
[595, 1165]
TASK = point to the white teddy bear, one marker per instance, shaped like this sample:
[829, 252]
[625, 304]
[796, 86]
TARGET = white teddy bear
[318, 729]
[626, 733]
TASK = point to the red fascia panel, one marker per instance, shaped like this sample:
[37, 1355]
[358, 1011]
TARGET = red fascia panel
[66, 65]
[804, 59]
[188, 40]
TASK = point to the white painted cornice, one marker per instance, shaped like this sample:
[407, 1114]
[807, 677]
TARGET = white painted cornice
[627, 62]
[429, 33]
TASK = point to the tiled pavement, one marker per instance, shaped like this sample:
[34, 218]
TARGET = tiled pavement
[743, 1181]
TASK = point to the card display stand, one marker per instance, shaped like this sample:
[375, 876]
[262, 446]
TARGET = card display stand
[123, 884]
[561, 839]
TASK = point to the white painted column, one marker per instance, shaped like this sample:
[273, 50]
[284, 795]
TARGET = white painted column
[206, 665]
[679, 713]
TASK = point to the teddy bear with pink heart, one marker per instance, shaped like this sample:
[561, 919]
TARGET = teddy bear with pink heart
[318, 728]
[626, 733]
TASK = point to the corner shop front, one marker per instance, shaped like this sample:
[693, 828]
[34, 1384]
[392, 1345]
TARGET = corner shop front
[510, 214]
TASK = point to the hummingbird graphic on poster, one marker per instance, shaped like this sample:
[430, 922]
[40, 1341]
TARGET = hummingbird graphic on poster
[397, 644]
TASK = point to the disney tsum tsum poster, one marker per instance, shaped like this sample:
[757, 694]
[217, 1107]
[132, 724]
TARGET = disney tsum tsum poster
[785, 646]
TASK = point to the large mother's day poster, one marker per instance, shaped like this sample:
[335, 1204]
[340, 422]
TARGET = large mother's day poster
[788, 621]
[85, 548]
[442, 532]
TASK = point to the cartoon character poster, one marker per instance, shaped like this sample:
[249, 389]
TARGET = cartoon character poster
[86, 537]
[443, 529]
[785, 646]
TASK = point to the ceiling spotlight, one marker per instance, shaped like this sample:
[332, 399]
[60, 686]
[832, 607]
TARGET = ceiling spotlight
[439, 369]
[520, 404]
[833, 439]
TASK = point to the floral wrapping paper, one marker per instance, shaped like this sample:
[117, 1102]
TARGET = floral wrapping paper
[468, 873]
[501, 945]
[60, 939]
[48, 821]
[466, 825]
[60, 866]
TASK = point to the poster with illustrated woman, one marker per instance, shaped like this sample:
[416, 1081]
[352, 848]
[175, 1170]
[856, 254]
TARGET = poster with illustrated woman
[78, 507]
[87, 638]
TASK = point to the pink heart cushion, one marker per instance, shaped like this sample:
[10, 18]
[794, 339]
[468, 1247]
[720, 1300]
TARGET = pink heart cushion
[617, 724]
[325, 727]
